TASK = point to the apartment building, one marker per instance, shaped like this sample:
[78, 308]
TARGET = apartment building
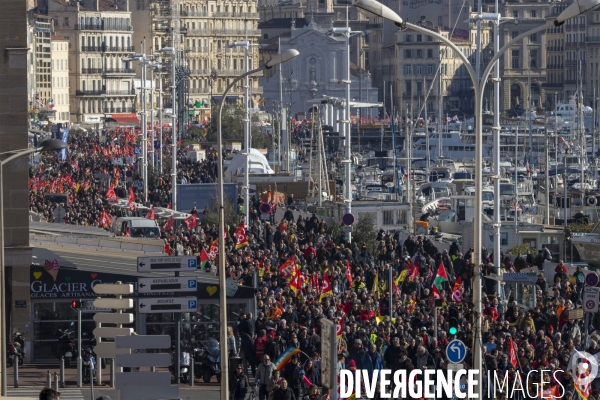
[99, 33]
[205, 33]
[40, 72]
[60, 79]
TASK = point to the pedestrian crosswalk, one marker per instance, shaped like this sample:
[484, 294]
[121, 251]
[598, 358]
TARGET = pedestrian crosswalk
[32, 392]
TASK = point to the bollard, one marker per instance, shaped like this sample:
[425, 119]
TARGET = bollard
[92, 382]
[49, 380]
[62, 372]
[112, 373]
[99, 371]
[56, 381]
[16, 377]
[191, 371]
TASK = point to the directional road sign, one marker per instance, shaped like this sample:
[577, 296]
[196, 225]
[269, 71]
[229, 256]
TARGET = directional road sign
[456, 351]
[113, 318]
[112, 332]
[113, 288]
[167, 284]
[167, 304]
[143, 342]
[116, 304]
[143, 360]
[108, 350]
[154, 264]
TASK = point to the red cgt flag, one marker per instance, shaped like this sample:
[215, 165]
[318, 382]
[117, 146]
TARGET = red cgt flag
[150, 214]
[131, 200]
[169, 224]
[240, 236]
[111, 195]
[512, 353]
[348, 274]
[191, 222]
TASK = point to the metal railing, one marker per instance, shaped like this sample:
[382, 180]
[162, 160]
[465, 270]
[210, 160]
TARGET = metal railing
[119, 71]
[200, 90]
[105, 92]
[552, 84]
[127, 49]
[91, 70]
[110, 110]
[91, 48]
[102, 27]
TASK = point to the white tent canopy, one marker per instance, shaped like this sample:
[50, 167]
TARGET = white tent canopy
[257, 162]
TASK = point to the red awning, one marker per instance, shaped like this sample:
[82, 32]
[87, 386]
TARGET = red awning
[130, 118]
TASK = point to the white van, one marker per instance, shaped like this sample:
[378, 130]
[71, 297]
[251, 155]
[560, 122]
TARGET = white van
[137, 227]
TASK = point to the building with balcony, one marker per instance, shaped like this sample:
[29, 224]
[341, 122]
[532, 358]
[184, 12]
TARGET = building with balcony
[205, 31]
[99, 33]
[60, 79]
[40, 76]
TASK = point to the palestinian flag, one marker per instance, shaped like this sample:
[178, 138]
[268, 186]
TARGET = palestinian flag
[441, 277]
[203, 259]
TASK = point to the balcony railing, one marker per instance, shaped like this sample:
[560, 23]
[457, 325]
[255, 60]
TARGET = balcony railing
[200, 90]
[555, 48]
[105, 92]
[592, 39]
[552, 84]
[554, 66]
[102, 27]
[573, 62]
[120, 49]
[117, 110]
[120, 92]
[573, 82]
[199, 72]
[90, 92]
[198, 49]
[230, 72]
[193, 13]
[236, 31]
[119, 71]
[91, 70]
[235, 15]
[91, 48]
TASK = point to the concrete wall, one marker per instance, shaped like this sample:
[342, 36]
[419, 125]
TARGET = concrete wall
[13, 136]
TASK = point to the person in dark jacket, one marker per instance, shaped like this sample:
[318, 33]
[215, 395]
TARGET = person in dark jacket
[284, 392]
[312, 372]
[293, 375]
[249, 353]
[372, 360]
[239, 384]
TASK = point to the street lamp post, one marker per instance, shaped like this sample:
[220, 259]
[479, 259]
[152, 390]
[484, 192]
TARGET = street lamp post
[46, 145]
[278, 59]
[375, 8]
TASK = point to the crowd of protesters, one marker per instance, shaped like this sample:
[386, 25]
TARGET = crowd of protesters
[348, 283]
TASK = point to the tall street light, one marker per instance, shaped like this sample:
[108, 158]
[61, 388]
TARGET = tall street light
[46, 145]
[379, 10]
[276, 60]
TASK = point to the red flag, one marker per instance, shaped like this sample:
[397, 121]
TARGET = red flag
[213, 250]
[168, 250]
[348, 274]
[169, 224]
[339, 328]
[296, 284]
[457, 291]
[111, 195]
[191, 222]
[288, 268]
[131, 200]
[169, 206]
[325, 288]
[512, 353]
[435, 293]
[240, 236]
[150, 214]
[315, 282]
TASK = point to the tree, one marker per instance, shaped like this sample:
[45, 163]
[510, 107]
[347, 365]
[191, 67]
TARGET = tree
[212, 215]
[232, 125]
[365, 232]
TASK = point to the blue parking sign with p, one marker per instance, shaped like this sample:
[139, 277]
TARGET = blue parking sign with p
[192, 304]
[192, 263]
[192, 284]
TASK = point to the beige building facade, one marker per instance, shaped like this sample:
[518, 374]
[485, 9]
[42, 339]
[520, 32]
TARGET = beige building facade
[60, 79]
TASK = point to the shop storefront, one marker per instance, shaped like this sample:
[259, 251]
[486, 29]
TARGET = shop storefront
[52, 291]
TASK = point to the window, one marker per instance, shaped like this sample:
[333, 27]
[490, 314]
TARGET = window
[533, 14]
[533, 55]
[407, 69]
[407, 53]
[514, 34]
[418, 70]
[419, 53]
[430, 70]
[408, 38]
[515, 14]
[533, 38]
[516, 54]
[66, 21]
[419, 88]
[419, 38]
[429, 52]
[408, 88]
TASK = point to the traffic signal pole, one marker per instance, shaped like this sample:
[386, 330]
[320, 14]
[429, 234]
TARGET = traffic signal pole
[79, 360]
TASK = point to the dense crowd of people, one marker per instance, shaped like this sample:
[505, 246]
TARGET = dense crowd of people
[306, 273]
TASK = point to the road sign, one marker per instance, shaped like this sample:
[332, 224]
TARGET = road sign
[328, 353]
[264, 208]
[590, 302]
[143, 342]
[116, 304]
[591, 279]
[113, 288]
[113, 318]
[455, 367]
[112, 332]
[124, 379]
[167, 284]
[591, 289]
[108, 350]
[456, 351]
[167, 304]
[143, 360]
[348, 219]
[153, 264]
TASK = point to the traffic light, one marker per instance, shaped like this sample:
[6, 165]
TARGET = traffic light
[453, 320]
[76, 305]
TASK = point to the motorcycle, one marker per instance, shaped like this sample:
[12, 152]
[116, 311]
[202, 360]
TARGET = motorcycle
[88, 358]
[66, 347]
[184, 361]
[16, 348]
[207, 361]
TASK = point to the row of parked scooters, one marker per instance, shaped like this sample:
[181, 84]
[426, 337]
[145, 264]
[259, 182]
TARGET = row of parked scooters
[206, 356]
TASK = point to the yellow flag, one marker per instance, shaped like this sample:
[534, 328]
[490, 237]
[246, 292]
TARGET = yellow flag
[376, 284]
[402, 277]
[77, 188]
